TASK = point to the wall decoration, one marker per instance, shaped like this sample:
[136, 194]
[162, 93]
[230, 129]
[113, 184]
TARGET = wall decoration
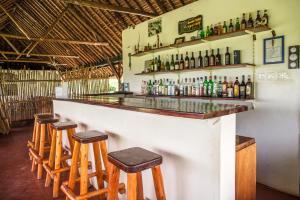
[154, 27]
[294, 54]
[190, 25]
[179, 40]
[274, 50]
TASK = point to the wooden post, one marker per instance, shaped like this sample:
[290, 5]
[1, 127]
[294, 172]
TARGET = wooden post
[58, 148]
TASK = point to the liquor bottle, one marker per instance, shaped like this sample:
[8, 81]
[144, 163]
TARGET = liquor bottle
[155, 86]
[192, 61]
[220, 87]
[169, 87]
[236, 88]
[158, 64]
[230, 27]
[210, 87]
[243, 23]
[172, 66]
[201, 87]
[249, 88]
[258, 19]
[173, 88]
[265, 18]
[243, 88]
[177, 88]
[212, 59]
[149, 88]
[220, 28]
[167, 66]
[181, 63]
[185, 86]
[190, 87]
[237, 24]
[194, 87]
[206, 59]
[177, 62]
[200, 61]
[181, 88]
[197, 87]
[218, 58]
[216, 29]
[162, 65]
[224, 87]
[205, 87]
[215, 87]
[160, 87]
[225, 27]
[207, 32]
[230, 89]
[152, 66]
[227, 57]
[155, 65]
[250, 21]
[211, 30]
[186, 61]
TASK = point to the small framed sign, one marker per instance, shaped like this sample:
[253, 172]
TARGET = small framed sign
[274, 50]
[190, 25]
[179, 40]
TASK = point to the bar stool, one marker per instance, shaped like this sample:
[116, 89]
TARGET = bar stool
[133, 161]
[82, 141]
[37, 153]
[57, 158]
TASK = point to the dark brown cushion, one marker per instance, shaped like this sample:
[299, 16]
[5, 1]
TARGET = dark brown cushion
[64, 125]
[43, 115]
[134, 159]
[47, 120]
[90, 136]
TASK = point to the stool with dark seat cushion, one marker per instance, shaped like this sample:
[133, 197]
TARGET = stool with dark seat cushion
[82, 140]
[57, 159]
[37, 152]
[133, 161]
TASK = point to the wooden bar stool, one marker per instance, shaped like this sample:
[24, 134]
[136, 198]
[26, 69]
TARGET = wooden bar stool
[38, 151]
[57, 158]
[82, 140]
[133, 161]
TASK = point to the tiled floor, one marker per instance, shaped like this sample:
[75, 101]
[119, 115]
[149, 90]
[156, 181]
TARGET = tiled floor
[17, 182]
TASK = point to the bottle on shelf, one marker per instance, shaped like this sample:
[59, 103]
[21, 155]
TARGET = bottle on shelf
[205, 87]
[201, 87]
[177, 63]
[249, 88]
[224, 87]
[211, 30]
[192, 61]
[167, 65]
[149, 88]
[186, 61]
[215, 87]
[243, 22]
[156, 88]
[220, 28]
[258, 18]
[166, 86]
[227, 57]
[185, 92]
[243, 88]
[225, 27]
[169, 87]
[197, 87]
[216, 29]
[236, 88]
[200, 61]
[206, 59]
[160, 87]
[230, 89]
[152, 66]
[250, 21]
[181, 63]
[181, 88]
[218, 58]
[158, 64]
[212, 59]
[177, 88]
[172, 65]
[155, 64]
[162, 65]
[265, 18]
[220, 87]
[237, 24]
[190, 87]
[194, 87]
[230, 27]
[207, 32]
[210, 87]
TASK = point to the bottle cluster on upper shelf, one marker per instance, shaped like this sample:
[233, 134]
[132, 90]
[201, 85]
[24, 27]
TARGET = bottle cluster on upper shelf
[190, 62]
[201, 87]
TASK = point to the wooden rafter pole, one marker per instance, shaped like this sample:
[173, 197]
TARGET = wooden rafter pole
[11, 45]
[24, 50]
[14, 21]
[4, 56]
[91, 43]
[39, 55]
[109, 7]
[26, 61]
[114, 70]
[48, 30]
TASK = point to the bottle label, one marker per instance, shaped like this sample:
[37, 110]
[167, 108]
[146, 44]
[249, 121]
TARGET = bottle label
[230, 92]
[248, 90]
[236, 91]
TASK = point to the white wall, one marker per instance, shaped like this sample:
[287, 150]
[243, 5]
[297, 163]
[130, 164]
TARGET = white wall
[275, 121]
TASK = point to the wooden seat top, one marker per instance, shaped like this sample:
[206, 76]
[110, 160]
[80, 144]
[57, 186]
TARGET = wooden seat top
[134, 159]
[43, 115]
[47, 120]
[90, 136]
[64, 125]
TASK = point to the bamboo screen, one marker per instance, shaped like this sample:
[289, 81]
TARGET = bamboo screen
[88, 86]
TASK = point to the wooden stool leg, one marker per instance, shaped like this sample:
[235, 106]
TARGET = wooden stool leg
[84, 169]
[34, 129]
[140, 191]
[114, 175]
[98, 165]
[71, 140]
[41, 150]
[73, 170]
[104, 155]
[36, 145]
[132, 186]
[51, 157]
[158, 183]
[58, 148]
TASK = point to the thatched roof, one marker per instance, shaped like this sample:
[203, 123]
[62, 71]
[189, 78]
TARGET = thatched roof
[88, 29]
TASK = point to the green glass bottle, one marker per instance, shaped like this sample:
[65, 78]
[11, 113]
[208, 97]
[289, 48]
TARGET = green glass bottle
[205, 86]
[210, 87]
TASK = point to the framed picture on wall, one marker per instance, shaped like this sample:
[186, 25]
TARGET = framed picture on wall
[274, 50]
[154, 27]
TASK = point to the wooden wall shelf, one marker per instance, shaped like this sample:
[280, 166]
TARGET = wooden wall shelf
[211, 68]
[205, 40]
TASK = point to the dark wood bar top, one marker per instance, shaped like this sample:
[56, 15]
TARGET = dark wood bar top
[243, 142]
[187, 108]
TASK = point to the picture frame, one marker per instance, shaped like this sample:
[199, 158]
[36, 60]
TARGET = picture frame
[179, 40]
[154, 27]
[273, 50]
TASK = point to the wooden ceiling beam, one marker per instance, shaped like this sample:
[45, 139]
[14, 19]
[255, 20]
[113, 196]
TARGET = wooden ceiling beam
[39, 55]
[11, 45]
[114, 70]
[110, 7]
[26, 61]
[4, 56]
[14, 21]
[160, 5]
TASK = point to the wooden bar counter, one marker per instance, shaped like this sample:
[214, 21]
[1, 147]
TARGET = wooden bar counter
[195, 137]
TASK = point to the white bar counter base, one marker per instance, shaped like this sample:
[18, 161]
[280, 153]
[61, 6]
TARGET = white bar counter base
[198, 154]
